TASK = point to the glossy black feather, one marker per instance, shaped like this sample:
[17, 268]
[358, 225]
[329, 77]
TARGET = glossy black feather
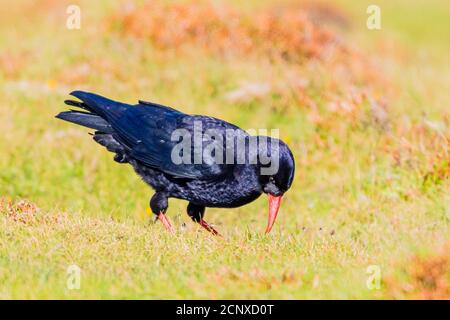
[85, 119]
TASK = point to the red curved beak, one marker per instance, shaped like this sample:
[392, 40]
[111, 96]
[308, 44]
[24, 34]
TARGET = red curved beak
[274, 205]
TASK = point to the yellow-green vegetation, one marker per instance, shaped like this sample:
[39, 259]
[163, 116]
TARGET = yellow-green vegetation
[366, 114]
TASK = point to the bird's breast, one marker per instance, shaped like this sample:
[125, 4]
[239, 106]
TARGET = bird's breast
[221, 196]
[233, 191]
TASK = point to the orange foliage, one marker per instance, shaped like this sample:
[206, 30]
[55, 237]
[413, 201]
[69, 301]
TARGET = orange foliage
[21, 211]
[427, 278]
[304, 38]
[412, 144]
[282, 31]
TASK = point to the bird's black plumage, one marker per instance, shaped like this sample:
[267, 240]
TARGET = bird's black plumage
[142, 135]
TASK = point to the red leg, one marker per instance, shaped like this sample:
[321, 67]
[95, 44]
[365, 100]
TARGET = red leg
[208, 227]
[196, 213]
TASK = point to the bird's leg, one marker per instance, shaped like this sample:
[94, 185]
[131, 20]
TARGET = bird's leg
[209, 227]
[196, 213]
[159, 204]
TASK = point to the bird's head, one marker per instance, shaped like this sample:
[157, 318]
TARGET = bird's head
[276, 175]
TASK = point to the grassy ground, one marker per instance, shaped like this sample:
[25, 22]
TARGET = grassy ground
[369, 130]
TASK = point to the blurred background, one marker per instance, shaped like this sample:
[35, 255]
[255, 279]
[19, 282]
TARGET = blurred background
[366, 113]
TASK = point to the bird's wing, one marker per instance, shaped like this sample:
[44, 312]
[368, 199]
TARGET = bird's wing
[147, 130]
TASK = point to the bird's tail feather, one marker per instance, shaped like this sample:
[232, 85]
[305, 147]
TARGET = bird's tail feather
[86, 119]
[97, 104]
[98, 111]
[79, 104]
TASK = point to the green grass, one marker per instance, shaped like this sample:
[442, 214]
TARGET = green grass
[351, 205]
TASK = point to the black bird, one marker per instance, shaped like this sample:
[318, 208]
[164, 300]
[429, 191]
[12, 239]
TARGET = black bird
[149, 137]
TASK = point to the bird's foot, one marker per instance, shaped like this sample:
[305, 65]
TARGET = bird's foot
[209, 227]
[166, 223]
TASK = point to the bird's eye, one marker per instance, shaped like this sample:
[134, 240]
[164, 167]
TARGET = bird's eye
[272, 180]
